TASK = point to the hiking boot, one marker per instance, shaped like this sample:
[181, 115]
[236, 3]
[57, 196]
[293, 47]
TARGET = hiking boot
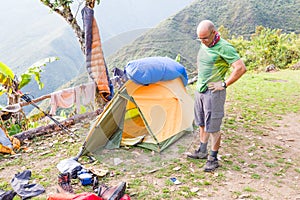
[112, 193]
[198, 155]
[211, 164]
[64, 181]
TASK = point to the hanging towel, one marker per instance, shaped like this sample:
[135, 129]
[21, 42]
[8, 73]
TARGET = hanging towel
[85, 94]
[63, 98]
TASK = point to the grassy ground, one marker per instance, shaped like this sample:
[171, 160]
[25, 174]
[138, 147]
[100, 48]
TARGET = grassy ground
[257, 160]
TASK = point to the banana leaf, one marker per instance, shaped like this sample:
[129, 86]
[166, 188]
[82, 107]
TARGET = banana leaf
[6, 75]
[35, 70]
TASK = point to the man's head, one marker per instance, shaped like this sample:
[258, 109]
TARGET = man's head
[206, 32]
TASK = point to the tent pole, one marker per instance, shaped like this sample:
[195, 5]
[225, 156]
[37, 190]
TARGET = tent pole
[80, 152]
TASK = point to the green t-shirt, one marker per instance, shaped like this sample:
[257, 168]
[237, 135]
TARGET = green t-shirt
[213, 63]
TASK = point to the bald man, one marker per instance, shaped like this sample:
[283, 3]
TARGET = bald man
[214, 59]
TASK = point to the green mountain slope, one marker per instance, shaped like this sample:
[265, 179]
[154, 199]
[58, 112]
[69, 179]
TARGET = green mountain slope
[177, 34]
[69, 65]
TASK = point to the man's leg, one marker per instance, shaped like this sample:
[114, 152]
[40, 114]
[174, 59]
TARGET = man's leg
[215, 141]
[216, 106]
[201, 153]
[212, 161]
[204, 136]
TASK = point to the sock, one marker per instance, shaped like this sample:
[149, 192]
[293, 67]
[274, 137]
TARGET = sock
[203, 147]
[214, 154]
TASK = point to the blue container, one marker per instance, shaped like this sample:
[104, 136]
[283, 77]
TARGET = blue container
[85, 178]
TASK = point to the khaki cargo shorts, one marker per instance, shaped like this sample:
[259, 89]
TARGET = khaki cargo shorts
[209, 109]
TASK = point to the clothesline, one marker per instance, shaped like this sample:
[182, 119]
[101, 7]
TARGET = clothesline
[66, 98]
[80, 95]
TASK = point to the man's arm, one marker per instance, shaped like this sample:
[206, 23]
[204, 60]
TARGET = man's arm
[239, 69]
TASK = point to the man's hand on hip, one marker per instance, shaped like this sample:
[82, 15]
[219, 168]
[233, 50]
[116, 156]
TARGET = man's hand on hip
[215, 86]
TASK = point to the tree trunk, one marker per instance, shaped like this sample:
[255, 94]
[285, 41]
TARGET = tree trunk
[12, 99]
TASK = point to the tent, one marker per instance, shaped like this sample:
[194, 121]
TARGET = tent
[152, 116]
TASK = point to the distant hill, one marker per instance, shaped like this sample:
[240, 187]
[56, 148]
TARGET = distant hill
[43, 34]
[113, 44]
[30, 32]
[177, 34]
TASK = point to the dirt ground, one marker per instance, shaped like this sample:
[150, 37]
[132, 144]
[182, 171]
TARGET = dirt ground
[285, 185]
[280, 144]
[276, 182]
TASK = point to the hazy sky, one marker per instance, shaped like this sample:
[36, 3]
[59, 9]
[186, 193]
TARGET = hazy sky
[113, 16]
[29, 30]
[144, 13]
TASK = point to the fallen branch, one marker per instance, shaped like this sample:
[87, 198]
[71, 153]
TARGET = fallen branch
[43, 130]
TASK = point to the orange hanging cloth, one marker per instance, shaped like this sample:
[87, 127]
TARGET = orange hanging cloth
[95, 62]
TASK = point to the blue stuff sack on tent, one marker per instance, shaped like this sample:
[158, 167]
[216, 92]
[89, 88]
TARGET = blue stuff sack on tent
[154, 69]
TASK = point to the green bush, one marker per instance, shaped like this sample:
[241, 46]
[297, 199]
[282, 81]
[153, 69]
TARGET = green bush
[268, 47]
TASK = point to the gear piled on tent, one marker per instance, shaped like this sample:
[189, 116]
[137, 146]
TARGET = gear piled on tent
[95, 62]
[151, 114]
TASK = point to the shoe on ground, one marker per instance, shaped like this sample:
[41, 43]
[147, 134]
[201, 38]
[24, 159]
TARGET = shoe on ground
[112, 193]
[198, 155]
[64, 181]
[211, 164]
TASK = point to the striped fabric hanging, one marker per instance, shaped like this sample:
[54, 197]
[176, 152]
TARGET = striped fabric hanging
[95, 62]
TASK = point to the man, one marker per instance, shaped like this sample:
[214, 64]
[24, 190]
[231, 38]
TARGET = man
[214, 59]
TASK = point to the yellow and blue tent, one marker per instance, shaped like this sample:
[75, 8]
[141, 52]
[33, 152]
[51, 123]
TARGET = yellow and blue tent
[151, 116]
